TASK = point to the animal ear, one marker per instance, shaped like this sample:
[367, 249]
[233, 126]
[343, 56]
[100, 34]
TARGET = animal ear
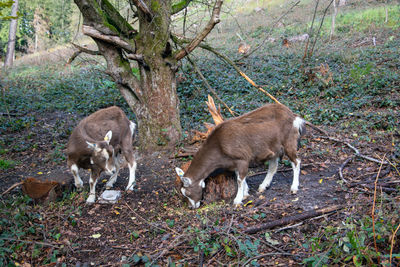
[202, 184]
[108, 137]
[93, 146]
[179, 171]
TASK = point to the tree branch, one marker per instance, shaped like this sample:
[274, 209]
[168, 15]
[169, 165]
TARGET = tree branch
[200, 37]
[176, 8]
[272, 27]
[140, 4]
[79, 51]
[230, 62]
[116, 40]
[291, 219]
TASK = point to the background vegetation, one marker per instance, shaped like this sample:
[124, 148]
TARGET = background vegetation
[358, 96]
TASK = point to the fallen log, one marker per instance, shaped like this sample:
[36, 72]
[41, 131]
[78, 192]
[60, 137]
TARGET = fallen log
[292, 219]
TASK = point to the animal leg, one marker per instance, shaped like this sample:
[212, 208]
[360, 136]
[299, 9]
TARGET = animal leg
[296, 173]
[114, 177]
[75, 173]
[92, 193]
[132, 175]
[246, 190]
[272, 168]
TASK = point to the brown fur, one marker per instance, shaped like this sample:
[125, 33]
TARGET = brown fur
[93, 129]
[260, 135]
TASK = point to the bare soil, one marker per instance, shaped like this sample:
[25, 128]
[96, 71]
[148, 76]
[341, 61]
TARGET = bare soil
[154, 221]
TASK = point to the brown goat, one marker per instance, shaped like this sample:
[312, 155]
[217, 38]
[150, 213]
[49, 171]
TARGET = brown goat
[265, 134]
[102, 142]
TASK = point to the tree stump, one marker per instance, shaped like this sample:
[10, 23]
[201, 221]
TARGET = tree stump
[47, 188]
[220, 185]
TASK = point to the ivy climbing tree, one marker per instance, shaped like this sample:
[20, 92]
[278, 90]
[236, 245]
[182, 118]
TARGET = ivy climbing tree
[148, 46]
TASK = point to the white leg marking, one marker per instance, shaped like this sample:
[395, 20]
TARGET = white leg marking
[92, 193]
[132, 126]
[273, 166]
[246, 190]
[132, 177]
[75, 173]
[296, 174]
[241, 185]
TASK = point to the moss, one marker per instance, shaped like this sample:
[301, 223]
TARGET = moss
[155, 6]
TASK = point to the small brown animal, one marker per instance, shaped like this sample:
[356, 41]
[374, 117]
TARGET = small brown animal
[265, 134]
[102, 142]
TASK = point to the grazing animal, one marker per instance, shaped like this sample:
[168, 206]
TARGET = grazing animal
[265, 134]
[102, 142]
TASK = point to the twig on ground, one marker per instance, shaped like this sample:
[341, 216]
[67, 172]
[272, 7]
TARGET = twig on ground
[291, 219]
[289, 227]
[373, 208]
[356, 151]
[342, 167]
[149, 223]
[12, 187]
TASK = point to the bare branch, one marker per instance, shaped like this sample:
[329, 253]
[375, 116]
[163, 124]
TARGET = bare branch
[272, 27]
[140, 4]
[291, 219]
[79, 51]
[116, 40]
[200, 37]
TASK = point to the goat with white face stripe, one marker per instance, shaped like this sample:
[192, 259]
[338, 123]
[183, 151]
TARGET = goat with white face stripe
[265, 134]
[102, 142]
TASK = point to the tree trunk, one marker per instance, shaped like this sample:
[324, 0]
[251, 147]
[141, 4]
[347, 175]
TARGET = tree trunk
[335, 10]
[152, 96]
[11, 36]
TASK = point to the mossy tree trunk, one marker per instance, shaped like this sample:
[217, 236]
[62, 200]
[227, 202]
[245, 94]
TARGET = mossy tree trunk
[152, 96]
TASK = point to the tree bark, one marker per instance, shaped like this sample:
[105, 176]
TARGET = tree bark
[335, 10]
[153, 96]
[11, 36]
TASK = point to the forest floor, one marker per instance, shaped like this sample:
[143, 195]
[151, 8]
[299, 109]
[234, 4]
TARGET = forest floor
[153, 225]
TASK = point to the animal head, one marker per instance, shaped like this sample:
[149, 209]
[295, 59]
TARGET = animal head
[103, 154]
[192, 190]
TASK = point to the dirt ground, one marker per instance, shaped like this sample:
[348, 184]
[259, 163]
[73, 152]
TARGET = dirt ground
[153, 224]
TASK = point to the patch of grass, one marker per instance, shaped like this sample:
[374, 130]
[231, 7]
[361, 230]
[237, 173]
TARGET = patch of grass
[6, 164]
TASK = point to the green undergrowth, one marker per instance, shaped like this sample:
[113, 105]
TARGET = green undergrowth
[359, 240]
[27, 232]
[362, 94]
[31, 89]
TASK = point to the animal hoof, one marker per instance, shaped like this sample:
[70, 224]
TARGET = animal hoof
[91, 199]
[237, 203]
[130, 188]
[261, 189]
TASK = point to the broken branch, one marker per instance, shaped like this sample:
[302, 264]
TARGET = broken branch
[292, 219]
[356, 151]
[200, 37]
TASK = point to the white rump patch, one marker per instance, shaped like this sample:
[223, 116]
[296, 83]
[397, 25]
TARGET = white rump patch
[298, 123]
